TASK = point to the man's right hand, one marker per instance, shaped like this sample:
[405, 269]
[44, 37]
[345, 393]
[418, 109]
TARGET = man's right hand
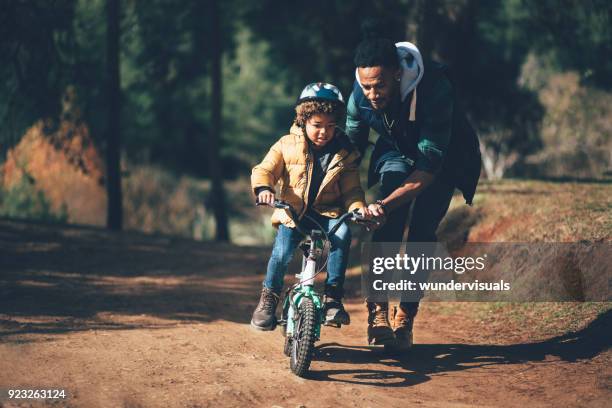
[266, 197]
[378, 214]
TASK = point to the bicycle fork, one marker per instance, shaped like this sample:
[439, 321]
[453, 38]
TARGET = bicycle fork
[304, 289]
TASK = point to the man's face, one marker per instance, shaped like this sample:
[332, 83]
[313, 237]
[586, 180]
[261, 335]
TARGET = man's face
[380, 85]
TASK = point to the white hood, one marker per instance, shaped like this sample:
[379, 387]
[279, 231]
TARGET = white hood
[411, 63]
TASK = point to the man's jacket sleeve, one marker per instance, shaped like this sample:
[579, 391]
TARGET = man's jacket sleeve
[356, 129]
[269, 171]
[436, 124]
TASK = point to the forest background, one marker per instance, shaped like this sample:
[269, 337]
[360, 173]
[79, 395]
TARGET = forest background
[164, 106]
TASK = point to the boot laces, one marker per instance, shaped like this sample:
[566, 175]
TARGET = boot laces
[268, 301]
[381, 317]
[402, 319]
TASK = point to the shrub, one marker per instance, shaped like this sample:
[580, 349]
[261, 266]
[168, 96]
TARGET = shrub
[24, 200]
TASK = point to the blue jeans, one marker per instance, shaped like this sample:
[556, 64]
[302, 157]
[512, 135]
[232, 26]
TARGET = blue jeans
[287, 240]
[430, 206]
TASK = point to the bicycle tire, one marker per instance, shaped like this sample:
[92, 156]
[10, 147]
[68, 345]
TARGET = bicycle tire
[304, 338]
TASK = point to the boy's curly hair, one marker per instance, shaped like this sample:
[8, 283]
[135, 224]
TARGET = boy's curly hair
[308, 109]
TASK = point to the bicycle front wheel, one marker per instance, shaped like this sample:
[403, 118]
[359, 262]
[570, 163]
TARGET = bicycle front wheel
[302, 345]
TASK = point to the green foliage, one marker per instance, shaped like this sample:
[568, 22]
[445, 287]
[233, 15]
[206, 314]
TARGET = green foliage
[489, 48]
[271, 49]
[24, 200]
[34, 38]
[315, 40]
[574, 131]
[166, 82]
[576, 35]
[257, 108]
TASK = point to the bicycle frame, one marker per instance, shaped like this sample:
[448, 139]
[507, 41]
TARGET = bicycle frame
[302, 304]
[305, 288]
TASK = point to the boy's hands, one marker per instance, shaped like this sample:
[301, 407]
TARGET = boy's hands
[365, 213]
[266, 197]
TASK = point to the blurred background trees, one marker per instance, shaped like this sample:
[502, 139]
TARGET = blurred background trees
[534, 77]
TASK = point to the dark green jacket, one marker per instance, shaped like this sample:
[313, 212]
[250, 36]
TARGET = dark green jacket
[425, 142]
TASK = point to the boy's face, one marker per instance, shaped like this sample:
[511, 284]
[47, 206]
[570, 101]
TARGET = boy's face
[320, 128]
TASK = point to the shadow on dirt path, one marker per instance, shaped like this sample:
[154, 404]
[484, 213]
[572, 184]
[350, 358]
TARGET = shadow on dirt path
[134, 320]
[426, 359]
[56, 279]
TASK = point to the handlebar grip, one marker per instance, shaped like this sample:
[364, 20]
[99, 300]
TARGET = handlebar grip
[360, 219]
[281, 204]
[277, 204]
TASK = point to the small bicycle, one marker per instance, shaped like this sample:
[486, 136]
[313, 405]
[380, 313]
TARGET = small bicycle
[302, 312]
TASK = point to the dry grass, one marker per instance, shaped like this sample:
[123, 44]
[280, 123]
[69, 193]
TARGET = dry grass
[511, 323]
[529, 211]
[64, 165]
[539, 211]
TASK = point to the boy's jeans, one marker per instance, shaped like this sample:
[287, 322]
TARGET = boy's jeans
[287, 240]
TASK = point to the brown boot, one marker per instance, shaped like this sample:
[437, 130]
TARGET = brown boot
[402, 327]
[264, 316]
[379, 329]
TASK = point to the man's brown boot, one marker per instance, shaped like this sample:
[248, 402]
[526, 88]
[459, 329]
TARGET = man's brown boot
[402, 328]
[379, 329]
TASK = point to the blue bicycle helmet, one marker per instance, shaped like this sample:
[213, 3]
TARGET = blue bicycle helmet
[320, 91]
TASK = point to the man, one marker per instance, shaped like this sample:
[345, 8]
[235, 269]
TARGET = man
[411, 106]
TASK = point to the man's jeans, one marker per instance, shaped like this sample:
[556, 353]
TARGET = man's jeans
[430, 206]
[287, 240]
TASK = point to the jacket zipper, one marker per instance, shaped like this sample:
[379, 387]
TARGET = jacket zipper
[342, 158]
[305, 193]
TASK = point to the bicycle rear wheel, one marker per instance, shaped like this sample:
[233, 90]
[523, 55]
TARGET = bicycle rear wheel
[302, 344]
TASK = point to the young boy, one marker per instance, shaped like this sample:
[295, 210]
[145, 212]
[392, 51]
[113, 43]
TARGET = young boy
[318, 173]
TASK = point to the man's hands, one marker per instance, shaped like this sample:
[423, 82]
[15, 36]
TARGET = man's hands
[377, 212]
[266, 197]
[365, 213]
[409, 190]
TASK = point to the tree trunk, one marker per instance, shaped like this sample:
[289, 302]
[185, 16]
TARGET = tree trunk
[214, 136]
[114, 218]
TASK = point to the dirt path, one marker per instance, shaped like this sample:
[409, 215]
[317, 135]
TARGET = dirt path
[136, 321]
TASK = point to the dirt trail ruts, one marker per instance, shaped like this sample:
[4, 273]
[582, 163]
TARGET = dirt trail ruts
[128, 320]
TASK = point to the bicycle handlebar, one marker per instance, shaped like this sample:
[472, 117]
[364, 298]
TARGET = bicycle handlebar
[354, 216]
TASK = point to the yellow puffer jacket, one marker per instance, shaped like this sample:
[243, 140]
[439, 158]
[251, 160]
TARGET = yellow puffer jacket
[290, 163]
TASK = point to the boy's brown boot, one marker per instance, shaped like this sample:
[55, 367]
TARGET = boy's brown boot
[402, 328]
[264, 316]
[379, 329]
